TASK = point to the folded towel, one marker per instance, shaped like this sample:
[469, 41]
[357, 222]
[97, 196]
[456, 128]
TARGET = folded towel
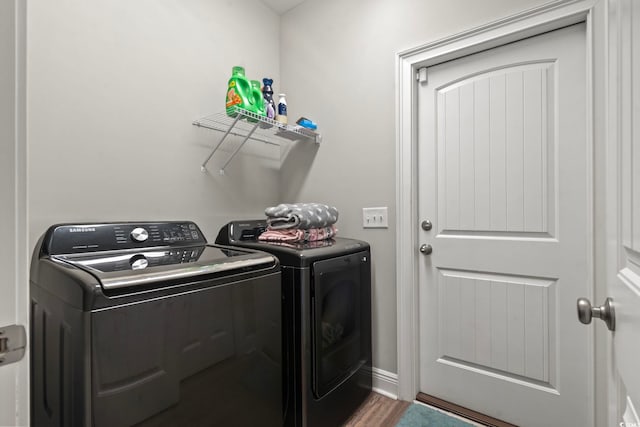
[303, 245]
[294, 235]
[301, 215]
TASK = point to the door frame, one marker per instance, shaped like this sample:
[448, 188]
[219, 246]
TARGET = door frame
[18, 241]
[535, 21]
[619, 47]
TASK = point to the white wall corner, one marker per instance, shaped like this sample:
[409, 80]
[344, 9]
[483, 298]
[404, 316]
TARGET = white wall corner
[385, 383]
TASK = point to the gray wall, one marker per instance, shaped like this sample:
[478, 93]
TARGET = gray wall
[113, 87]
[338, 65]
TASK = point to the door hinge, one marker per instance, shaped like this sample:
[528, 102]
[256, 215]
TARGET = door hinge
[421, 75]
[13, 342]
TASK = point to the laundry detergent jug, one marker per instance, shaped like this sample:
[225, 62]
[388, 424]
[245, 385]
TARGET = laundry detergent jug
[257, 99]
[239, 92]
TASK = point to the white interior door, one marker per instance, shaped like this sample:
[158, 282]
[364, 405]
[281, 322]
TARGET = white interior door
[14, 382]
[504, 177]
[623, 201]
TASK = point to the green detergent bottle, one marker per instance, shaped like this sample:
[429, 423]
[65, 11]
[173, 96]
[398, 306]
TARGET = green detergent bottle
[257, 99]
[239, 92]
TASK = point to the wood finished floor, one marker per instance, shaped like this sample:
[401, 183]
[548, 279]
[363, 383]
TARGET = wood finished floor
[378, 411]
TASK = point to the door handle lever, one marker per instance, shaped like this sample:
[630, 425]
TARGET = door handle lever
[605, 312]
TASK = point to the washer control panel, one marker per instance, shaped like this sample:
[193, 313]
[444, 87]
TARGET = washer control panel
[76, 238]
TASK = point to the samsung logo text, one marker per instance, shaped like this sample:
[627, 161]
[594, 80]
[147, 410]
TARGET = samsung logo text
[82, 230]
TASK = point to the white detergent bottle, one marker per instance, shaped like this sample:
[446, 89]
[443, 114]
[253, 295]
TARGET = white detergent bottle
[282, 109]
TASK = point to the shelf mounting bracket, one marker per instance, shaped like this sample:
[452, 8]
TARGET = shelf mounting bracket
[204, 164]
[246, 138]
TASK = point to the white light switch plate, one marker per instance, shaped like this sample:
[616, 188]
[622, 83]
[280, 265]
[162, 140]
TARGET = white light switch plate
[375, 217]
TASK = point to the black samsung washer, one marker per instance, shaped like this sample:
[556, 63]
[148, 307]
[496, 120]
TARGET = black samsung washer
[326, 287]
[146, 324]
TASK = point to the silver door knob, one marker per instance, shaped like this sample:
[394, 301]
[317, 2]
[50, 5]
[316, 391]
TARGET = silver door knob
[605, 312]
[426, 249]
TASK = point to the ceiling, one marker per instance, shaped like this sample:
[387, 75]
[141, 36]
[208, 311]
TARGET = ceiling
[281, 6]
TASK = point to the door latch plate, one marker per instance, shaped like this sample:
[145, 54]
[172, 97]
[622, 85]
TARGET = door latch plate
[13, 342]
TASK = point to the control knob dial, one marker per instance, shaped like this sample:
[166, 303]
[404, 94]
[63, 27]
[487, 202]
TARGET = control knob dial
[138, 262]
[139, 234]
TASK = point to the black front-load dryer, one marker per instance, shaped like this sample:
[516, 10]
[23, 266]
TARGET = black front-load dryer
[326, 288]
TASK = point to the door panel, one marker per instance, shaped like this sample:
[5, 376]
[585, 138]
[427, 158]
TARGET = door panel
[518, 323]
[487, 185]
[504, 177]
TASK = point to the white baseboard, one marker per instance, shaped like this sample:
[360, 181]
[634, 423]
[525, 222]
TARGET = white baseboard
[385, 383]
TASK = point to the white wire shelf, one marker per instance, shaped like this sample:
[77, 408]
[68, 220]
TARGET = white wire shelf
[249, 125]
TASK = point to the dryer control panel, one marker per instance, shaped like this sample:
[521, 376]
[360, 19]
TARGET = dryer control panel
[241, 231]
[76, 238]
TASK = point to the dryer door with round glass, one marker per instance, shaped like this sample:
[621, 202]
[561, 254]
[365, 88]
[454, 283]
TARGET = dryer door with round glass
[340, 306]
